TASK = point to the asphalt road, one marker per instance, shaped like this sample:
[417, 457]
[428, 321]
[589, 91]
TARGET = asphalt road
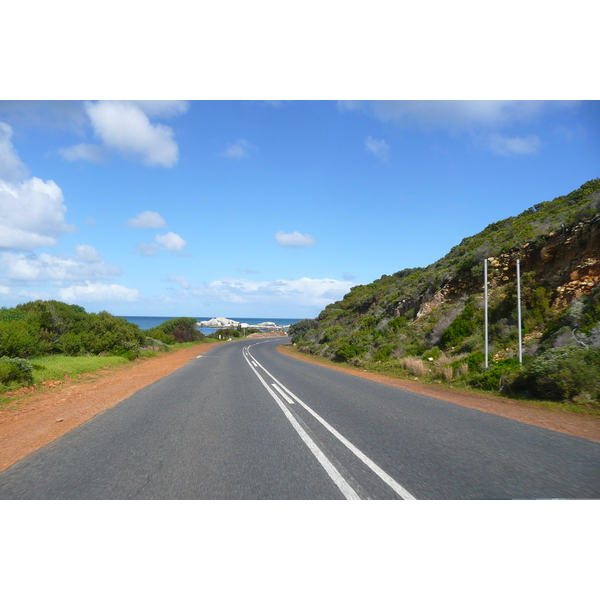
[245, 422]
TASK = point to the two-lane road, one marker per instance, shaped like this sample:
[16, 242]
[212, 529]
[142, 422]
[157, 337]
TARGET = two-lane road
[245, 422]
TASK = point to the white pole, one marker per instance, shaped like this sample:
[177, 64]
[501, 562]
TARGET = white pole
[485, 295]
[519, 311]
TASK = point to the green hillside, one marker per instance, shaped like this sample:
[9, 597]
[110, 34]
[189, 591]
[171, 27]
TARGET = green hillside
[427, 323]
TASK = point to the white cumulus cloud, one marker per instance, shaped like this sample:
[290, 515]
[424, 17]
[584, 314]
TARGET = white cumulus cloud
[513, 146]
[125, 127]
[239, 149]
[315, 293]
[11, 167]
[147, 220]
[95, 292]
[32, 215]
[171, 241]
[87, 254]
[378, 147]
[87, 264]
[295, 239]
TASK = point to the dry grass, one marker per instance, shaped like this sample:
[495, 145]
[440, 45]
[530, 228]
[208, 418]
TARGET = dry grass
[443, 360]
[462, 369]
[415, 365]
[447, 372]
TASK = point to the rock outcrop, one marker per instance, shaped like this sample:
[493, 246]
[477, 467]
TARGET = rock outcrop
[218, 323]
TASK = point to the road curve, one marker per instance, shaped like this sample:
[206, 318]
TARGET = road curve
[245, 422]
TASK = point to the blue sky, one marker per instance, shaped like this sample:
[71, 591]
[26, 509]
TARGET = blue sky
[263, 209]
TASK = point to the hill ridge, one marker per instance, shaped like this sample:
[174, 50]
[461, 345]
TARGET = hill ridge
[436, 312]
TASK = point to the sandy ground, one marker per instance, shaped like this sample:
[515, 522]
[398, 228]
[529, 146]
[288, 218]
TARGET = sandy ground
[37, 417]
[586, 426]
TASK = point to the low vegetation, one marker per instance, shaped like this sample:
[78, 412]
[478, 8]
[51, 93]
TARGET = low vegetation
[427, 323]
[48, 340]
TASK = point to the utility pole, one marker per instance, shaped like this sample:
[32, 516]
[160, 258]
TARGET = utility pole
[519, 311]
[485, 295]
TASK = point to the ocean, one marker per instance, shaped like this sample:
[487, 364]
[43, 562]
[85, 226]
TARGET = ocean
[150, 322]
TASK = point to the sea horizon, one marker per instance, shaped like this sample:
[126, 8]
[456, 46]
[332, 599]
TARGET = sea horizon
[150, 322]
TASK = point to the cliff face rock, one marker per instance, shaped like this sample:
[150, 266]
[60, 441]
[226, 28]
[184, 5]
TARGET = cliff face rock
[568, 262]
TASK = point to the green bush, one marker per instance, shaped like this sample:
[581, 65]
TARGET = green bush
[499, 376]
[383, 353]
[591, 311]
[347, 351]
[161, 336]
[15, 370]
[461, 328]
[475, 362]
[225, 333]
[60, 327]
[397, 323]
[154, 343]
[18, 339]
[368, 322]
[299, 329]
[331, 333]
[180, 329]
[11, 314]
[562, 374]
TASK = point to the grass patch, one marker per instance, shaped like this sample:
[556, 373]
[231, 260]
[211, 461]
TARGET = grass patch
[58, 366]
[178, 346]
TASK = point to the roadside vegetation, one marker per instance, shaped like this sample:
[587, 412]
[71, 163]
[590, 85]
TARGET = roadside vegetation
[427, 323]
[49, 340]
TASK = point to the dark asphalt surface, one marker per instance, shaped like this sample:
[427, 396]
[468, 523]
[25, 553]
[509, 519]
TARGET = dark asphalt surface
[211, 430]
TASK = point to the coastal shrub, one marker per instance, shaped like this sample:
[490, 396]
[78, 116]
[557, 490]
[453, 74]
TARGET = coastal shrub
[537, 308]
[300, 328]
[346, 351]
[475, 362]
[11, 314]
[153, 343]
[397, 323]
[498, 377]
[159, 335]
[15, 370]
[434, 353]
[57, 327]
[101, 333]
[369, 322]
[562, 374]
[18, 339]
[590, 314]
[461, 328]
[331, 333]
[181, 329]
[225, 333]
[383, 353]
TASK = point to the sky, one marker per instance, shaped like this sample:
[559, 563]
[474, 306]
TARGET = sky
[263, 208]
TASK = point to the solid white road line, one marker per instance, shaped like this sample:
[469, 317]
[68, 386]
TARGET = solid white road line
[282, 393]
[401, 491]
[335, 475]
